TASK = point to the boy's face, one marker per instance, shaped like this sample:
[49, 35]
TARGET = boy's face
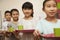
[50, 8]
[8, 16]
[27, 12]
[15, 15]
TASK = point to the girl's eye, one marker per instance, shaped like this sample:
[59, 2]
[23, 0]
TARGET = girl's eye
[54, 6]
[48, 6]
[13, 14]
[51, 6]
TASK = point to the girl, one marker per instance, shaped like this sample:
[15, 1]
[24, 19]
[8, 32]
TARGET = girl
[46, 26]
[28, 21]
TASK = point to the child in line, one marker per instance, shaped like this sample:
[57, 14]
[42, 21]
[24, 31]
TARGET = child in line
[14, 24]
[7, 16]
[28, 21]
[15, 19]
[46, 26]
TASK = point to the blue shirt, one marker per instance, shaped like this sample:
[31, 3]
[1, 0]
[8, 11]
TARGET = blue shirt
[47, 27]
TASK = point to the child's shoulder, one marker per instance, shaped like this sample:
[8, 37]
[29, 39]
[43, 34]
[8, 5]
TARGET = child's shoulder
[42, 20]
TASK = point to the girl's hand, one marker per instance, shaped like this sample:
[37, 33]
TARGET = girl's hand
[36, 33]
[16, 34]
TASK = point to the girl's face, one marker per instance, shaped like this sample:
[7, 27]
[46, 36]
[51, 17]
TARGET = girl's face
[8, 16]
[27, 12]
[15, 15]
[50, 8]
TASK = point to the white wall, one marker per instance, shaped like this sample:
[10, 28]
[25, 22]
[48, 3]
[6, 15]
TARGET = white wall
[10, 4]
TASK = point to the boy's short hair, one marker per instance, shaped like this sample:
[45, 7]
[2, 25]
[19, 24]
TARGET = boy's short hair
[7, 12]
[14, 10]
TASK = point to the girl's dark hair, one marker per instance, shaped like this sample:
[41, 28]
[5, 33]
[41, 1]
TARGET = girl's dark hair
[28, 5]
[7, 12]
[46, 1]
[14, 10]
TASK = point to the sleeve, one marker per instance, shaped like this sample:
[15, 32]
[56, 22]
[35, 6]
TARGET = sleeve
[4, 26]
[39, 27]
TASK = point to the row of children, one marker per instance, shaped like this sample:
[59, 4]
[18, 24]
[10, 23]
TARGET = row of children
[43, 27]
[26, 23]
